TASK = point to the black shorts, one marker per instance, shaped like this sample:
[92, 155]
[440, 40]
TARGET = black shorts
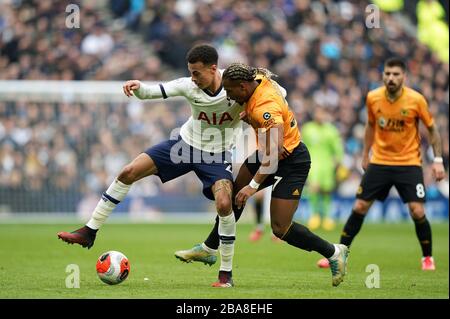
[378, 180]
[290, 177]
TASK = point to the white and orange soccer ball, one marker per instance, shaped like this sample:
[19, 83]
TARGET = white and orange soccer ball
[113, 267]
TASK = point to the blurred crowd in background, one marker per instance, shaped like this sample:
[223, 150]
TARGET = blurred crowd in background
[322, 52]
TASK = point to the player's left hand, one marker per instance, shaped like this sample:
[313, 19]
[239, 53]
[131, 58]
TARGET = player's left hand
[438, 171]
[243, 195]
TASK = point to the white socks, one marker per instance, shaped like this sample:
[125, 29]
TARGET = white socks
[209, 250]
[227, 233]
[113, 196]
[337, 250]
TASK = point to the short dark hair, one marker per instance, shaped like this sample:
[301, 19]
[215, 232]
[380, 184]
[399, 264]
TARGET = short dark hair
[395, 61]
[204, 53]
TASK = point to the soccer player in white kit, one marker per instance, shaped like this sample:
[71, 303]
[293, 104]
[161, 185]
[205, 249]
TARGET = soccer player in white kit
[202, 146]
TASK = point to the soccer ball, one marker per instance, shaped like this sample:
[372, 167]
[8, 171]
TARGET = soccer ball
[113, 267]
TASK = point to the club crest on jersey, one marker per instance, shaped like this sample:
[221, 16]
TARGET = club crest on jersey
[266, 116]
[214, 120]
[404, 112]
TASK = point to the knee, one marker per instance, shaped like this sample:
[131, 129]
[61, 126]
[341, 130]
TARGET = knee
[361, 207]
[278, 228]
[416, 210]
[128, 175]
[223, 205]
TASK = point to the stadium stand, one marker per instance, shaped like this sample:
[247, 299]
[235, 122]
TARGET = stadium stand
[58, 156]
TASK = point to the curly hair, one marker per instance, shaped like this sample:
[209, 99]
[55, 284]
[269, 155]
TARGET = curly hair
[244, 72]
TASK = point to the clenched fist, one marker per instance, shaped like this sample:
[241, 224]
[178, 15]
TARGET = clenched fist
[130, 86]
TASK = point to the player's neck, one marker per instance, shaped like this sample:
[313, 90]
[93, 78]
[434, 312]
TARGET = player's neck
[216, 83]
[392, 97]
[253, 86]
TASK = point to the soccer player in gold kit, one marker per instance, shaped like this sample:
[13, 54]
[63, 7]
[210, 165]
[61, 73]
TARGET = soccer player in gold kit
[392, 134]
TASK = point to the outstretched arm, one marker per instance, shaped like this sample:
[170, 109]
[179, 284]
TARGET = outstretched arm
[435, 141]
[130, 86]
[142, 91]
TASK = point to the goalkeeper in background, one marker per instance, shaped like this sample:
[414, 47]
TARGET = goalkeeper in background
[325, 146]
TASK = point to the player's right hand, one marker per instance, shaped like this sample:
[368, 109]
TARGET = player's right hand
[438, 171]
[243, 195]
[243, 117]
[365, 163]
[130, 86]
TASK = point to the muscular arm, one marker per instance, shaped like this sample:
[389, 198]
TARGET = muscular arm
[435, 141]
[271, 150]
[368, 142]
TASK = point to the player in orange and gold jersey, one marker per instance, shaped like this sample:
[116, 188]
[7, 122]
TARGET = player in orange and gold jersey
[267, 111]
[281, 161]
[392, 134]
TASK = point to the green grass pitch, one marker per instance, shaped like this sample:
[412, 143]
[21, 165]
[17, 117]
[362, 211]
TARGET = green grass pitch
[33, 264]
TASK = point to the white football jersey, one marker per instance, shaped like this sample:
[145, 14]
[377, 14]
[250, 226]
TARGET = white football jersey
[214, 123]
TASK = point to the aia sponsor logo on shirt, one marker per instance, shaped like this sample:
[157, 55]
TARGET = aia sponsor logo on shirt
[214, 118]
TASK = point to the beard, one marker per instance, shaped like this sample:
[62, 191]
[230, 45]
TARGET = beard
[393, 88]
